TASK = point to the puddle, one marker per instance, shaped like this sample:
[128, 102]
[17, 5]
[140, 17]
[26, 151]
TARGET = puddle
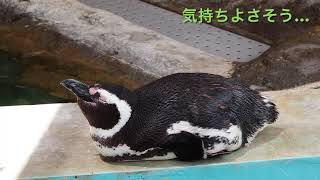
[34, 60]
[12, 92]
[36, 80]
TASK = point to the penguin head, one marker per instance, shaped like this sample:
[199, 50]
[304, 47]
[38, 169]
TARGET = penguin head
[103, 106]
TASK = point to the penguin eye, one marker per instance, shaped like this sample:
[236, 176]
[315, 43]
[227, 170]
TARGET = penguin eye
[97, 85]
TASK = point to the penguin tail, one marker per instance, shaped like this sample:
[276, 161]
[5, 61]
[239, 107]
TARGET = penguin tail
[272, 110]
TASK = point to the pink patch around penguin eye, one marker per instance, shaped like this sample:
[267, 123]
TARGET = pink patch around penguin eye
[92, 90]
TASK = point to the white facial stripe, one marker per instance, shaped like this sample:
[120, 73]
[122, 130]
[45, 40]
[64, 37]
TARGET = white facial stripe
[233, 134]
[124, 110]
[119, 150]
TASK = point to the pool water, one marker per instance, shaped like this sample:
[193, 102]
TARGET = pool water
[14, 93]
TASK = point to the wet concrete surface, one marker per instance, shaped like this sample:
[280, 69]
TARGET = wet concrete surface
[54, 138]
[43, 58]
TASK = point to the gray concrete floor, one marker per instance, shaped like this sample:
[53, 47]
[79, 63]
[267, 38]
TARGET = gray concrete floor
[47, 140]
[213, 40]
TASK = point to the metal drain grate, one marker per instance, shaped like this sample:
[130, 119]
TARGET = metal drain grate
[202, 36]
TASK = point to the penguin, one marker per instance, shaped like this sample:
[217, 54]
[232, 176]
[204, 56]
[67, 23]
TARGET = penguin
[183, 116]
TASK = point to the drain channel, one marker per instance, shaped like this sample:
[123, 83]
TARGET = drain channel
[205, 37]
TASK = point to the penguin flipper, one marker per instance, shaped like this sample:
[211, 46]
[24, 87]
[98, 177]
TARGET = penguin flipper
[186, 146]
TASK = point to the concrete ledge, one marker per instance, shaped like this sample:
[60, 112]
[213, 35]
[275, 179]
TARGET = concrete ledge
[105, 32]
[53, 139]
[284, 169]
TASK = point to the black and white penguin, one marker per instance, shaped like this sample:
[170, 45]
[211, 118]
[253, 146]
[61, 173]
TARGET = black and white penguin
[188, 116]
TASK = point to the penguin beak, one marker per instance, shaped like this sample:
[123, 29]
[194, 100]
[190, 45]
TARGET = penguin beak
[80, 89]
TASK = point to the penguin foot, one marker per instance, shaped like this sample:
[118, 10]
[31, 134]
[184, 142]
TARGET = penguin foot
[186, 146]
